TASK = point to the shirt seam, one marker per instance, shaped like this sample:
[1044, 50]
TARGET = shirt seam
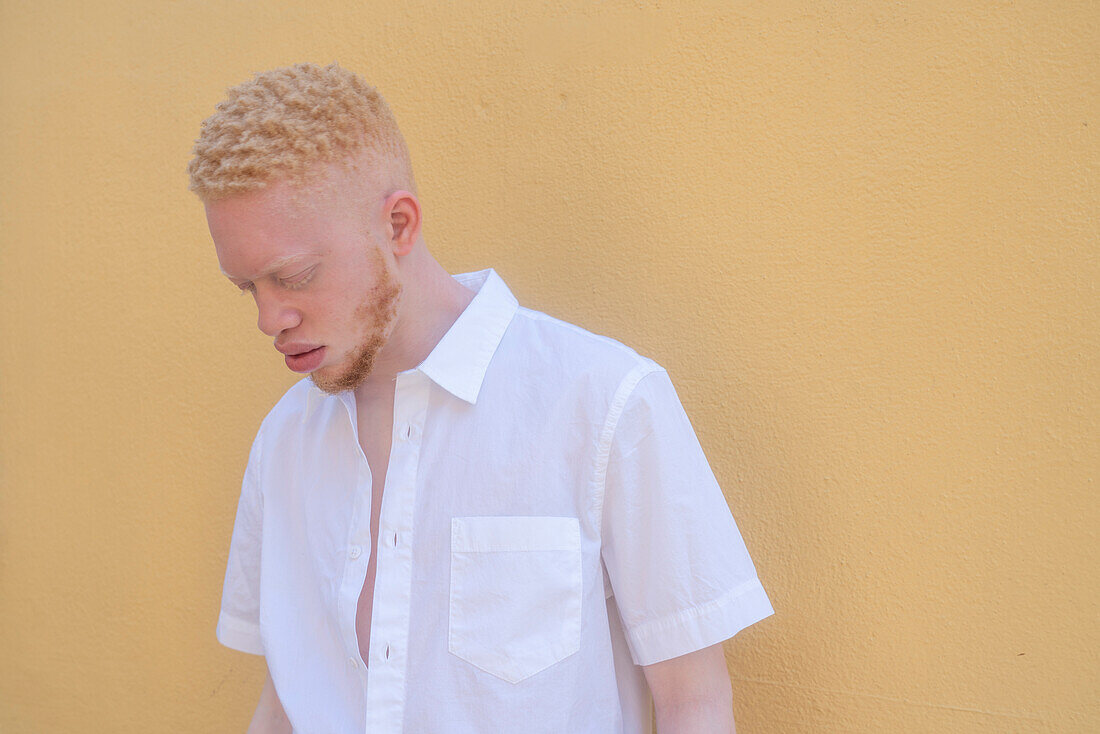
[697, 627]
[239, 634]
[607, 434]
[674, 620]
[261, 438]
[254, 474]
[242, 625]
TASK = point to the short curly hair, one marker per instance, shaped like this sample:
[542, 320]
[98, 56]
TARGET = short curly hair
[283, 123]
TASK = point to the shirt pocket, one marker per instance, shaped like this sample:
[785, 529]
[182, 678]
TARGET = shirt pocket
[515, 600]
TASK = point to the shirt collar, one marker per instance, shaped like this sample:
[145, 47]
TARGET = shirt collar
[459, 361]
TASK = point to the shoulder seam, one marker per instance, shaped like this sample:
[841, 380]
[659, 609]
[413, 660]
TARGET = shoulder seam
[257, 473]
[611, 423]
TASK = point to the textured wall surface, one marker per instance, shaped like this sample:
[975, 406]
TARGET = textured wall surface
[863, 241]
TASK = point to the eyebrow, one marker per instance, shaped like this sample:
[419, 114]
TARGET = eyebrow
[273, 266]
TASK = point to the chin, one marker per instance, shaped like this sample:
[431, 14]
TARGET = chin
[333, 380]
[328, 379]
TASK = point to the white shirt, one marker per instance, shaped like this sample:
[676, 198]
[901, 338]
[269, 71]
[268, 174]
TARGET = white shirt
[549, 523]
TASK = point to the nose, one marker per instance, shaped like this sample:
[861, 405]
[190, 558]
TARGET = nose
[276, 315]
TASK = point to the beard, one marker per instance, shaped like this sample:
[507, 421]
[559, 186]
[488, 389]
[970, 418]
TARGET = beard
[377, 313]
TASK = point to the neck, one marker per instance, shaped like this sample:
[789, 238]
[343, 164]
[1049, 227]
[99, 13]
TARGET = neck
[430, 303]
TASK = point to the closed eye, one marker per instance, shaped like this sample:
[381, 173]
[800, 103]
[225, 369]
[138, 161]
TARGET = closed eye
[299, 280]
[293, 282]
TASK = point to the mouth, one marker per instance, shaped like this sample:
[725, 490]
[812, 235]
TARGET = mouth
[305, 361]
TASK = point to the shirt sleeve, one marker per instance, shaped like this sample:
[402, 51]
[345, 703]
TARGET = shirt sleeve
[239, 620]
[678, 567]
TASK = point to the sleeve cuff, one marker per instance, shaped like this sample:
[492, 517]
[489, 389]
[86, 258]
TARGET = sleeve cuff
[693, 629]
[239, 635]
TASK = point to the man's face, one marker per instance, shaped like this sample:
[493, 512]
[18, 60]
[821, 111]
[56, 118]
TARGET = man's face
[320, 273]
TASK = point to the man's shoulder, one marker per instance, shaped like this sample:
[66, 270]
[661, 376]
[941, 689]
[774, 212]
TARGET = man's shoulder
[578, 351]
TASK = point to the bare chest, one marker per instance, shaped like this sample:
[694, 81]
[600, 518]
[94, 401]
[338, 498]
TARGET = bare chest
[375, 438]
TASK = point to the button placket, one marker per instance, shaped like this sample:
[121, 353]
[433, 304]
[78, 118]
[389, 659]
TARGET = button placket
[354, 573]
[393, 582]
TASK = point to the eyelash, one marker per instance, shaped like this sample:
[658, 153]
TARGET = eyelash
[250, 288]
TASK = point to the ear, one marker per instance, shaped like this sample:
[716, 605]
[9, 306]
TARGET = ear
[402, 211]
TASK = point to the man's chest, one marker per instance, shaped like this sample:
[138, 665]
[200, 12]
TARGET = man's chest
[420, 510]
[375, 430]
[375, 440]
[406, 464]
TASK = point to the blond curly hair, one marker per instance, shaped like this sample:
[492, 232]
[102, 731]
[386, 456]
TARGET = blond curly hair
[284, 122]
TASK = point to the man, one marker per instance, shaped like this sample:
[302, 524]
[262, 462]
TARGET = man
[471, 516]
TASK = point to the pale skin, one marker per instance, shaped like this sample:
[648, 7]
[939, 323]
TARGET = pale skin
[310, 268]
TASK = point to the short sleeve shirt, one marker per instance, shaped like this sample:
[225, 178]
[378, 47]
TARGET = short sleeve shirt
[549, 523]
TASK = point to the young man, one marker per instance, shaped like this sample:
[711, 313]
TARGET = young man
[471, 516]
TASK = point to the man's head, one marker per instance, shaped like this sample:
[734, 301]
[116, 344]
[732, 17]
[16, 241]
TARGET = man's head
[284, 122]
[310, 199]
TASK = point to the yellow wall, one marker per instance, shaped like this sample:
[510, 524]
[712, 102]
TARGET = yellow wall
[863, 240]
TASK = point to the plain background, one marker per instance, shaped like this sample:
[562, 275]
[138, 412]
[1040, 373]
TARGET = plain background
[862, 239]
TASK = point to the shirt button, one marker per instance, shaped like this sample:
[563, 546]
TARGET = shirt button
[353, 663]
[355, 552]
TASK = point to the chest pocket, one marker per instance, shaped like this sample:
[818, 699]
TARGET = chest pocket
[515, 600]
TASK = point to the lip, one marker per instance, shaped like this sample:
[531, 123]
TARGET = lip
[296, 347]
[305, 361]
